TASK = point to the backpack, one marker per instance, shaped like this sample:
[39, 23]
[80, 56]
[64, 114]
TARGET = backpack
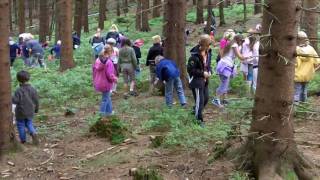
[97, 48]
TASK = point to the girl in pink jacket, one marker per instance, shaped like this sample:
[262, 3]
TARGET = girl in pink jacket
[103, 79]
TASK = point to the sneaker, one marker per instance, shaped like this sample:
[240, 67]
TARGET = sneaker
[217, 103]
[225, 102]
[35, 139]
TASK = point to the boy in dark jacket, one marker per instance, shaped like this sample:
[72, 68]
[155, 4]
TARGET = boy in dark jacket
[154, 51]
[168, 71]
[199, 70]
[27, 103]
[14, 50]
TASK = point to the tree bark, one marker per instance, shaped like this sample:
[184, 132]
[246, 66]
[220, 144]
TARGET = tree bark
[138, 15]
[118, 8]
[209, 17]
[102, 13]
[271, 147]
[85, 14]
[174, 41]
[156, 8]
[77, 18]
[145, 16]
[194, 2]
[57, 20]
[43, 21]
[65, 8]
[30, 9]
[125, 6]
[7, 136]
[310, 22]
[257, 7]
[221, 14]
[244, 3]
[10, 16]
[22, 18]
[199, 19]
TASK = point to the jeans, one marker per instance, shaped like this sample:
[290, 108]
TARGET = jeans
[224, 85]
[177, 85]
[300, 93]
[22, 124]
[254, 78]
[37, 58]
[106, 104]
[201, 97]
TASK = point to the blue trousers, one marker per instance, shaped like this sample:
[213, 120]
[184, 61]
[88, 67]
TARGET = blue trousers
[300, 93]
[22, 125]
[106, 104]
[171, 84]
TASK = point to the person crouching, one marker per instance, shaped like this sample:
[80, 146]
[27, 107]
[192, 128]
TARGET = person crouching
[167, 71]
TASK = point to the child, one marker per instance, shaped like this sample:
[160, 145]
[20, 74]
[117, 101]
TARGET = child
[14, 50]
[103, 79]
[305, 67]
[55, 51]
[168, 71]
[226, 68]
[27, 103]
[115, 58]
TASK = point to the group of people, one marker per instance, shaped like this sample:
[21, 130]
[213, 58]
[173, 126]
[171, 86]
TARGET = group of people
[119, 55]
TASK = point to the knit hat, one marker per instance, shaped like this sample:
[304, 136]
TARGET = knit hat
[302, 35]
[156, 39]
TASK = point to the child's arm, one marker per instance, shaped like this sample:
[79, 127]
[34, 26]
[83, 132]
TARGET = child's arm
[16, 98]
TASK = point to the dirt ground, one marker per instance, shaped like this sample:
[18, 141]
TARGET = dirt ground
[77, 154]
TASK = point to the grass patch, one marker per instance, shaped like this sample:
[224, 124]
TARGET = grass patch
[109, 127]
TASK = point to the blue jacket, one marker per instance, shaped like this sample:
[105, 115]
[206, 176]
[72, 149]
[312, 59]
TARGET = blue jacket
[167, 69]
[13, 50]
[196, 68]
[57, 51]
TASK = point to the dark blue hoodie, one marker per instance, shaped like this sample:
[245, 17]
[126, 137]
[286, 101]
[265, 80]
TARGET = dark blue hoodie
[196, 68]
[167, 69]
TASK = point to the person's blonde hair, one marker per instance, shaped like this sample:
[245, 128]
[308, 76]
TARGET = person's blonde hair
[114, 28]
[156, 39]
[205, 40]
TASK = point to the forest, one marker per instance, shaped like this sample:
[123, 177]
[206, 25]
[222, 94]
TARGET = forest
[159, 89]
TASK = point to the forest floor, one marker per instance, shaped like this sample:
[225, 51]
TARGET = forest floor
[68, 150]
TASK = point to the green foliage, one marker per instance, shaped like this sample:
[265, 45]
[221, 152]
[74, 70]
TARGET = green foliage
[109, 127]
[149, 174]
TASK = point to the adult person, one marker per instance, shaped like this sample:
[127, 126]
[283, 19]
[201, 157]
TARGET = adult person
[168, 71]
[305, 67]
[127, 64]
[136, 47]
[199, 70]
[76, 40]
[114, 33]
[36, 53]
[153, 52]
[97, 43]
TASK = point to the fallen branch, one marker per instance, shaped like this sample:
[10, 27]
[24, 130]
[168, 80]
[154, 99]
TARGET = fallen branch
[46, 161]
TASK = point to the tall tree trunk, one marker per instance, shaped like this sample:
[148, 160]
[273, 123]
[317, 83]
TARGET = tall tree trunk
[138, 15]
[65, 8]
[244, 10]
[310, 22]
[22, 18]
[199, 19]
[36, 7]
[257, 7]
[156, 8]
[175, 18]
[77, 21]
[221, 14]
[43, 21]
[15, 13]
[209, 17]
[102, 13]
[271, 148]
[30, 9]
[145, 16]
[10, 16]
[118, 8]
[6, 127]
[194, 2]
[57, 20]
[227, 3]
[85, 21]
[125, 6]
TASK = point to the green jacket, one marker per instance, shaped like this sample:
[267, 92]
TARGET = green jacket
[127, 56]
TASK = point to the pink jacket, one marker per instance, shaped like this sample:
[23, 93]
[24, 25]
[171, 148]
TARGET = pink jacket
[103, 75]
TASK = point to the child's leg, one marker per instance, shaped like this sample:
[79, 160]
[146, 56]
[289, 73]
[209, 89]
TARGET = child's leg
[21, 130]
[205, 95]
[30, 127]
[199, 103]
[108, 109]
[179, 88]
[169, 92]
[304, 92]
[104, 102]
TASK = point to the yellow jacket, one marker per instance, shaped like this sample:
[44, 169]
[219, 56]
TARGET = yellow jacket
[305, 66]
